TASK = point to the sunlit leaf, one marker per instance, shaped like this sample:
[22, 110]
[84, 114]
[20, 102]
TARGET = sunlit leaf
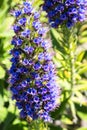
[3, 114]
[82, 128]
[2, 72]
[73, 110]
[80, 56]
[66, 120]
[82, 111]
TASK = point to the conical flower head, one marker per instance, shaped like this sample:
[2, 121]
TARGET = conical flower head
[32, 74]
[66, 12]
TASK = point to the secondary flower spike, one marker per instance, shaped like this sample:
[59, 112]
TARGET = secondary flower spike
[32, 74]
[66, 12]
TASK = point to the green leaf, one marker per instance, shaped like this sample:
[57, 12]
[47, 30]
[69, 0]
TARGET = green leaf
[2, 84]
[80, 56]
[2, 73]
[38, 125]
[55, 40]
[3, 114]
[18, 124]
[52, 127]
[66, 120]
[8, 121]
[83, 70]
[16, 127]
[81, 111]
[82, 128]
[79, 87]
[6, 34]
[73, 110]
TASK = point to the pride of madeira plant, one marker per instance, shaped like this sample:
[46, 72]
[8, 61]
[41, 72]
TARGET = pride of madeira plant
[32, 74]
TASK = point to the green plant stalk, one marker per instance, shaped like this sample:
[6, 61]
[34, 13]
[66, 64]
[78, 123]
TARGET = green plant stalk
[70, 36]
[72, 47]
[72, 66]
[38, 125]
[72, 50]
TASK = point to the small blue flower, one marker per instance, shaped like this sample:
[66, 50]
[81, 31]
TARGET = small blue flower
[17, 13]
[38, 83]
[22, 21]
[14, 60]
[42, 31]
[16, 41]
[36, 15]
[22, 70]
[36, 99]
[48, 56]
[24, 84]
[19, 105]
[29, 49]
[15, 53]
[45, 44]
[27, 10]
[16, 28]
[27, 4]
[37, 66]
[41, 56]
[36, 25]
[62, 17]
[26, 33]
[37, 40]
[27, 62]
[32, 91]
[23, 114]
[45, 116]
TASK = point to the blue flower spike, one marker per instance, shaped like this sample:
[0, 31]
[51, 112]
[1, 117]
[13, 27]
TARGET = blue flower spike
[67, 12]
[32, 74]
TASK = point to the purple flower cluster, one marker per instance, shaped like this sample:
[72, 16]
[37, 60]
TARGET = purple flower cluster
[32, 74]
[66, 12]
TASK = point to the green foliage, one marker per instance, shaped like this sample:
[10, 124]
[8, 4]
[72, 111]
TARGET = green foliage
[71, 61]
[82, 128]
[70, 47]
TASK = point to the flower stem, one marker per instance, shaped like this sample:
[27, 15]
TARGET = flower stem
[72, 68]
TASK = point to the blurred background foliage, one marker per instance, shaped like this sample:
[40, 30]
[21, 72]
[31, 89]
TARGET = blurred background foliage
[71, 61]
